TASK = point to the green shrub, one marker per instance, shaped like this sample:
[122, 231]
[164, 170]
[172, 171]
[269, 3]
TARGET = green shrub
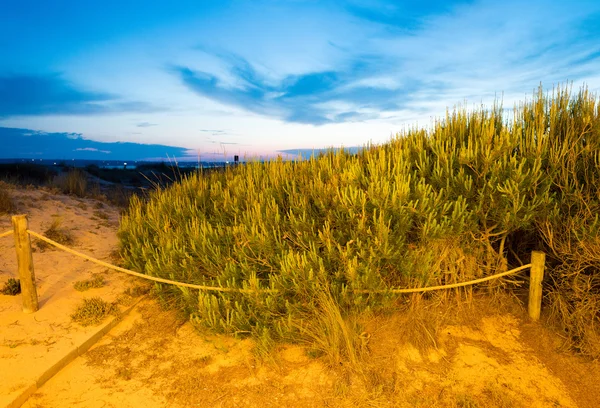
[472, 196]
[11, 287]
[92, 311]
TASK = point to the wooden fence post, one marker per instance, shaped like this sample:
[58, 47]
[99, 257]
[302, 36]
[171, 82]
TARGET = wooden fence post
[25, 262]
[538, 259]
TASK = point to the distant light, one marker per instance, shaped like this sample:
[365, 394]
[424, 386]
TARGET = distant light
[55, 163]
[124, 164]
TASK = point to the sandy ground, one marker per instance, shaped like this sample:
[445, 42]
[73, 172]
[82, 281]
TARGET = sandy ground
[153, 358]
[30, 342]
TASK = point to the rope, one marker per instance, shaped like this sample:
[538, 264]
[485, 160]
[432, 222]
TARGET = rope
[6, 234]
[141, 275]
[454, 285]
[220, 289]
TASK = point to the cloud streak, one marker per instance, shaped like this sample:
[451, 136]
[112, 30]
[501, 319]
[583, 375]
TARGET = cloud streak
[25, 143]
[146, 124]
[91, 149]
[315, 98]
[50, 94]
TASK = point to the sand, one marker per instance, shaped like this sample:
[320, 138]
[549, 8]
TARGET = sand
[29, 343]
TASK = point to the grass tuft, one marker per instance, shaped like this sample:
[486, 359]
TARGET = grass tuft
[96, 282]
[331, 334]
[72, 182]
[12, 287]
[92, 311]
[56, 233]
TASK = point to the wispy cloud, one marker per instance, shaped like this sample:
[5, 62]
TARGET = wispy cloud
[146, 124]
[417, 59]
[23, 94]
[314, 98]
[217, 132]
[483, 48]
[24, 143]
[91, 149]
[400, 17]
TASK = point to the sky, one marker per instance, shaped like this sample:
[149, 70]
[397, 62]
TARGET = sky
[255, 78]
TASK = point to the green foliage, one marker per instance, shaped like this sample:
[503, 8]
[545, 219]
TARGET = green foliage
[11, 287]
[474, 194]
[96, 282]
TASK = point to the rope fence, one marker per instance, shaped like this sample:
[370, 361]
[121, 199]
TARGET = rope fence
[141, 275]
[222, 289]
[23, 247]
[450, 286]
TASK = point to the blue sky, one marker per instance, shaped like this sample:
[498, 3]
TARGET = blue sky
[255, 77]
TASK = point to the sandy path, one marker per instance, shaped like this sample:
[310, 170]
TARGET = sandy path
[29, 343]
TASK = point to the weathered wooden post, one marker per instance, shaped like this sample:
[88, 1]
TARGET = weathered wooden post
[25, 262]
[538, 259]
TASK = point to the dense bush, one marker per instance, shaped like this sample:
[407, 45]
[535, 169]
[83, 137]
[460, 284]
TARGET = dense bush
[26, 173]
[6, 203]
[473, 195]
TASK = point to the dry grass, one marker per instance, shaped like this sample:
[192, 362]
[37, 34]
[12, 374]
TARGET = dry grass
[577, 313]
[73, 182]
[129, 296]
[101, 215]
[7, 205]
[573, 287]
[57, 233]
[333, 334]
[138, 291]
